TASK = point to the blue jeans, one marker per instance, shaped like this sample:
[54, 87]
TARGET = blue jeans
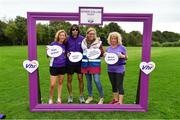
[97, 82]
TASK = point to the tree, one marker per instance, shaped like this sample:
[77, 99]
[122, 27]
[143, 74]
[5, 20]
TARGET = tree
[3, 26]
[43, 36]
[10, 33]
[21, 30]
[157, 36]
[114, 27]
[170, 36]
[14, 32]
[135, 38]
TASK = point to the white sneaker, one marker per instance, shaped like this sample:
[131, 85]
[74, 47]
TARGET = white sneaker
[70, 99]
[89, 99]
[101, 101]
[81, 99]
[59, 101]
[50, 101]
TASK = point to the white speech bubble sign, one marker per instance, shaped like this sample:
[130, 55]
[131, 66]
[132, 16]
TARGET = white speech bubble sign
[147, 67]
[75, 56]
[111, 58]
[93, 53]
[30, 66]
[54, 51]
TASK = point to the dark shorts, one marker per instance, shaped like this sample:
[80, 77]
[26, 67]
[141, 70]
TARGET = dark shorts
[71, 69]
[57, 71]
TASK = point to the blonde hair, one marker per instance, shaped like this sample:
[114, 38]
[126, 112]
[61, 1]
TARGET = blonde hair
[57, 35]
[117, 35]
[91, 29]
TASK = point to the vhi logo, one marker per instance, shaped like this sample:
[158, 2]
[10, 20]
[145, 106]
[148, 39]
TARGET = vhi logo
[30, 66]
[147, 67]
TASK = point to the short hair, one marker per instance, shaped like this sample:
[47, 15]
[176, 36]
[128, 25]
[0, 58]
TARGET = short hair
[74, 26]
[91, 29]
[57, 36]
[117, 35]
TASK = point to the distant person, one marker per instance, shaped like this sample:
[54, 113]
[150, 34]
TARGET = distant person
[92, 67]
[74, 45]
[116, 71]
[58, 66]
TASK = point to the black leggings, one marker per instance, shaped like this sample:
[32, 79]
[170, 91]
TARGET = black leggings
[117, 82]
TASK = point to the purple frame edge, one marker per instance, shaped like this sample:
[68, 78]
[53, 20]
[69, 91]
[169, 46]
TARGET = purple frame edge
[32, 55]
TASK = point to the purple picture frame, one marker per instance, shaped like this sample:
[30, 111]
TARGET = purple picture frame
[142, 105]
[102, 10]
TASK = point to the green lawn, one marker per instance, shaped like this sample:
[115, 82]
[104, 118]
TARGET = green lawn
[164, 92]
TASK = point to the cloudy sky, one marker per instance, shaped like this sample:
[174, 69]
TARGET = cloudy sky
[166, 13]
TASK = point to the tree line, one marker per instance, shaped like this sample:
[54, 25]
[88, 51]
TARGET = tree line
[14, 32]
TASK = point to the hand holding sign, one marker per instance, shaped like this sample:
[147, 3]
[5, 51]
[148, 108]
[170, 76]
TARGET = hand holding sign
[93, 53]
[111, 58]
[147, 67]
[30, 66]
[75, 56]
[54, 51]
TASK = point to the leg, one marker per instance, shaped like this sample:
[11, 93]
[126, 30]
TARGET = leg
[89, 84]
[119, 79]
[98, 84]
[81, 83]
[113, 84]
[69, 83]
[121, 97]
[60, 82]
[52, 86]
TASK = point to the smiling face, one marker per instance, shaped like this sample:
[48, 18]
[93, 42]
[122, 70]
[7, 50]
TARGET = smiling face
[91, 35]
[62, 37]
[114, 40]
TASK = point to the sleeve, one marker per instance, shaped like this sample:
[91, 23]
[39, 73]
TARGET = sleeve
[124, 50]
[52, 43]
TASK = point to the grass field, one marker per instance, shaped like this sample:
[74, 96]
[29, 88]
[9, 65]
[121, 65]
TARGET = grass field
[164, 92]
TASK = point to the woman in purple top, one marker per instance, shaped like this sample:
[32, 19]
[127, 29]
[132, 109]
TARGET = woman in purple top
[58, 66]
[117, 70]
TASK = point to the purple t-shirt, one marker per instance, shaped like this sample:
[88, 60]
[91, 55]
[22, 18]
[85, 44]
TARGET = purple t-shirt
[59, 61]
[119, 66]
[74, 45]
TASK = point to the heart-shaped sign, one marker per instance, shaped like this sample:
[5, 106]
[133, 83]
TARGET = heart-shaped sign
[93, 53]
[30, 66]
[75, 56]
[111, 58]
[54, 51]
[147, 67]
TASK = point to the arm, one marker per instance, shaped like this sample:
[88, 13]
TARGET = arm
[46, 51]
[67, 53]
[123, 55]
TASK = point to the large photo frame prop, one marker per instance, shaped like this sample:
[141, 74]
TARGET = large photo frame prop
[34, 94]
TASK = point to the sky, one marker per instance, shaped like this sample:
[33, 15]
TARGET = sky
[166, 13]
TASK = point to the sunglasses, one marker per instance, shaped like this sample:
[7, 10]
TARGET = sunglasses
[74, 29]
